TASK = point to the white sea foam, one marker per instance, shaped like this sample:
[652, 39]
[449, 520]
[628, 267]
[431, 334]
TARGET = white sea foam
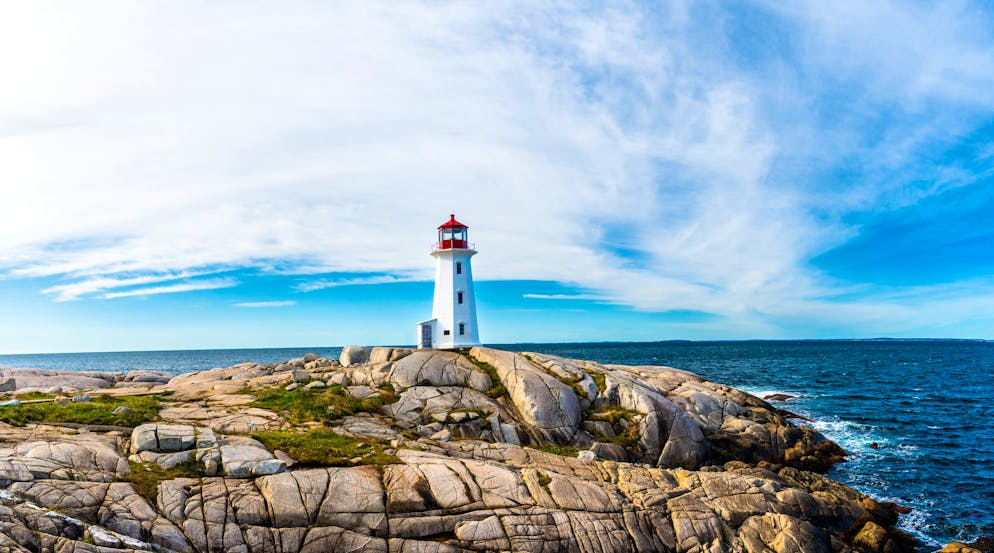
[856, 439]
[761, 393]
[916, 522]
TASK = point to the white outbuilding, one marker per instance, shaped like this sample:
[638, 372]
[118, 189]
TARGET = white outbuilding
[453, 322]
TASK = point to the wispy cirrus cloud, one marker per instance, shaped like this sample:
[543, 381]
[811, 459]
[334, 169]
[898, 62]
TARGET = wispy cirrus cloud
[664, 157]
[212, 284]
[99, 286]
[321, 284]
[266, 304]
[587, 297]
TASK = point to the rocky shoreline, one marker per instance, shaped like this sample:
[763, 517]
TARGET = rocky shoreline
[389, 449]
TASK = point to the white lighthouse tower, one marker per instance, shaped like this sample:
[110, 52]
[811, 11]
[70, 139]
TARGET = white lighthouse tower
[453, 322]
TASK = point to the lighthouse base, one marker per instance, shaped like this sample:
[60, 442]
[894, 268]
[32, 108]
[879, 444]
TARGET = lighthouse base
[431, 337]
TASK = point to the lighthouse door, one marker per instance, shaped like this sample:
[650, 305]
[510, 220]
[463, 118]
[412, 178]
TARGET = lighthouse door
[426, 336]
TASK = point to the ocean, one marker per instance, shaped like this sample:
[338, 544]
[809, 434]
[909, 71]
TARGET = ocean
[923, 406]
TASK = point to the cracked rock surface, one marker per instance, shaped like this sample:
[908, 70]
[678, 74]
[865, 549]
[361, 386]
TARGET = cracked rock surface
[541, 454]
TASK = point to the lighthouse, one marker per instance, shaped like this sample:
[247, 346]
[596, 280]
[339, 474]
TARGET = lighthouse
[453, 314]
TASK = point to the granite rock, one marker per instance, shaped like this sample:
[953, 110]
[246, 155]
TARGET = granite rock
[354, 355]
[715, 469]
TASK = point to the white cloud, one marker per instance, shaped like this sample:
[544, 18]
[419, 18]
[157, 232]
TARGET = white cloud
[174, 288]
[266, 304]
[561, 297]
[335, 138]
[95, 286]
[321, 284]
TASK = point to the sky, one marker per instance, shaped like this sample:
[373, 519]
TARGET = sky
[184, 174]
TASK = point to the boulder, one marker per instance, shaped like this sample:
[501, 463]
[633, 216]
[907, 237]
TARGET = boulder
[354, 355]
[362, 392]
[159, 437]
[8, 384]
[778, 397]
[587, 456]
[871, 538]
[437, 368]
[781, 534]
[599, 429]
[149, 377]
[549, 407]
[611, 452]
[420, 403]
[299, 376]
[442, 435]
[248, 459]
[41, 379]
[381, 354]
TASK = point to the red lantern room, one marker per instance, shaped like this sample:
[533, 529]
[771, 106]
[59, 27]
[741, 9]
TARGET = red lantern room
[452, 235]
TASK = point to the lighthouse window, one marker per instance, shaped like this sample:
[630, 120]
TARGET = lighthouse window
[459, 271]
[462, 329]
[459, 296]
[445, 332]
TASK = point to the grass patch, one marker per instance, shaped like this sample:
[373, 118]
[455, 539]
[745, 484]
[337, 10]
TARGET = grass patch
[610, 413]
[33, 395]
[497, 388]
[570, 381]
[318, 405]
[561, 450]
[100, 410]
[145, 477]
[629, 439]
[321, 447]
[388, 394]
[600, 380]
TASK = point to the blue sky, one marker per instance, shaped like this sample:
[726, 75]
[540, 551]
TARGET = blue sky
[190, 175]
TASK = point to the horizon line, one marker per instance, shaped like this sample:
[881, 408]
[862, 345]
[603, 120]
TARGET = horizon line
[495, 344]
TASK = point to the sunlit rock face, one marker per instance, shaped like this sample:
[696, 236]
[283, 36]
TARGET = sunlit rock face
[484, 450]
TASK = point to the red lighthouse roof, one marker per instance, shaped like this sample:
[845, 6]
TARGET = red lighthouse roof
[452, 223]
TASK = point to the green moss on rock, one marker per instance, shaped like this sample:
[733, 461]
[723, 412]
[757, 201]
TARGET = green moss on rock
[323, 447]
[561, 450]
[319, 405]
[98, 411]
[497, 388]
[145, 477]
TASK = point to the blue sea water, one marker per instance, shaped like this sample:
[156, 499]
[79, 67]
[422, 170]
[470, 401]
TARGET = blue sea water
[925, 404]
